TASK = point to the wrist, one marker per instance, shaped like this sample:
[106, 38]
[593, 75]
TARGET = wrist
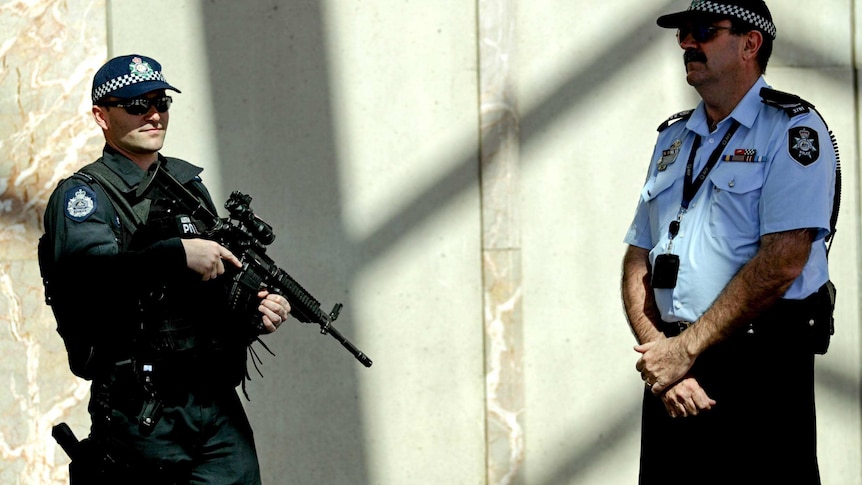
[691, 340]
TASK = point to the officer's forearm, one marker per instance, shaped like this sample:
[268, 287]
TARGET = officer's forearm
[757, 286]
[163, 260]
[638, 299]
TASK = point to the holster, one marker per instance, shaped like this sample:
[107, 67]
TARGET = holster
[96, 462]
[823, 326]
[810, 319]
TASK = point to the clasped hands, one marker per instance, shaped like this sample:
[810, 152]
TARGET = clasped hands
[664, 367]
[207, 258]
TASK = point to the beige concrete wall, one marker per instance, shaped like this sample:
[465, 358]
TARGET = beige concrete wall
[458, 174]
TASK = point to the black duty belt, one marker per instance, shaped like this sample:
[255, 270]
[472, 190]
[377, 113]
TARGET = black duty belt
[807, 319]
[672, 329]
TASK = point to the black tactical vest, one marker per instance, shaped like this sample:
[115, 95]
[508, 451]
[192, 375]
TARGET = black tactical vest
[186, 331]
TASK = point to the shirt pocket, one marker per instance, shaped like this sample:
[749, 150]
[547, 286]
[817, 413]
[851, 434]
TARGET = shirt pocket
[657, 184]
[734, 207]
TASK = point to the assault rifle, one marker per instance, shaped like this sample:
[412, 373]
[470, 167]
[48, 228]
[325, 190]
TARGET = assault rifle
[246, 236]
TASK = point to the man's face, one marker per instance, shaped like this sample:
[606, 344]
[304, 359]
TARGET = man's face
[711, 51]
[139, 135]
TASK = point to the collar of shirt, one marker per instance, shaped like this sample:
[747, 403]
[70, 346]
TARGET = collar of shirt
[133, 174]
[745, 112]
[122, 166]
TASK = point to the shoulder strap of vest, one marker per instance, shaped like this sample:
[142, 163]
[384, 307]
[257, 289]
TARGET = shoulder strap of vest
[682, 115]
[131, 216]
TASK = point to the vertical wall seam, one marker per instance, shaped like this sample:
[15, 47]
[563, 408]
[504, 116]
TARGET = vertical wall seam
[501, 241]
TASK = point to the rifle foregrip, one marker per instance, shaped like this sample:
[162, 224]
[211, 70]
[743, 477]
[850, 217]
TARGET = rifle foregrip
[304, 307]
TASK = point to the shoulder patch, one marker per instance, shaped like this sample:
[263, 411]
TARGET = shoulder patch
[81, 203]
[682, 115]
[791, 104]
[803, 144]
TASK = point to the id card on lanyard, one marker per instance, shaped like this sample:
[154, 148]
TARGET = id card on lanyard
[666, 267]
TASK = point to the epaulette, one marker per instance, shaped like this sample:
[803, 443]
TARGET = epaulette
[682, 115]
[791, 104]
[83, 176]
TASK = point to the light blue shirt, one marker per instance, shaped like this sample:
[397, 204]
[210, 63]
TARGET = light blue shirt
[777, 173]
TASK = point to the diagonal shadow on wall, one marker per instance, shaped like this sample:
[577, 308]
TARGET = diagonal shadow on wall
[269, 81]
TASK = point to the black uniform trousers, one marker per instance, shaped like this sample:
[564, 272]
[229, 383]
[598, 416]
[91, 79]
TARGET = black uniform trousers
[201, 436]
[762, 429]
[205, 439]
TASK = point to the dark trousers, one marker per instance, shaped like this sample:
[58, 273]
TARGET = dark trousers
[762, 429]
[201, 438]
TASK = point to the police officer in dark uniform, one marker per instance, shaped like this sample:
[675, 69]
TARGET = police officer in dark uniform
[140, 306]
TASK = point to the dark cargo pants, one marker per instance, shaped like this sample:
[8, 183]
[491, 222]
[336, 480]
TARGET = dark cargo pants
[200, 438]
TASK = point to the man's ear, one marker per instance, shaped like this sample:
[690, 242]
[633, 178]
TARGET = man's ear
[753, 43]
[99, 115]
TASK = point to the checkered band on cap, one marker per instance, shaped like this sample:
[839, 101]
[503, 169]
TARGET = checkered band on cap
[126, 80]
[736, 11]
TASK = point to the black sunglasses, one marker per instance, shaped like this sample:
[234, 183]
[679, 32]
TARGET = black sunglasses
[700, 33]
[141, 106]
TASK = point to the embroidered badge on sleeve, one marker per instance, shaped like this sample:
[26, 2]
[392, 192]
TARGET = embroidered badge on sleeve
[803, 145]
[81, 203]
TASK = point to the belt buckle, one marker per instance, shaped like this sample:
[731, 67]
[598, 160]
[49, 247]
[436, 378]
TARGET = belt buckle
[682, 325]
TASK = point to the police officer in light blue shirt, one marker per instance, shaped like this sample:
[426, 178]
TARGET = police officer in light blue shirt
[761, 184]
[725, 281]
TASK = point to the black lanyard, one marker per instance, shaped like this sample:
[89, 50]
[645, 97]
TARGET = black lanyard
[691, 187]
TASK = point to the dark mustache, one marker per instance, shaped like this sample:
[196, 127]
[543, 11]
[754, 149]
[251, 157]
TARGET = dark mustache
[692, 55]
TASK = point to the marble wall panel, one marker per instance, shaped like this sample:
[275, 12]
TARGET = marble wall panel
[49, 52]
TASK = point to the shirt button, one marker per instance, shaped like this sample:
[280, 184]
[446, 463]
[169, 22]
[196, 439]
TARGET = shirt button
[677, 305]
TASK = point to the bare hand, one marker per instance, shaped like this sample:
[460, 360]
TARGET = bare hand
[663, 363]
[686, 398]
[205, 257]
[274, 308]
